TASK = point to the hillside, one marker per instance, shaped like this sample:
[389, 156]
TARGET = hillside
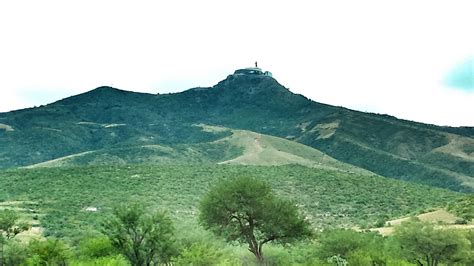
[68, 201]
[238, 147]
[108, 119]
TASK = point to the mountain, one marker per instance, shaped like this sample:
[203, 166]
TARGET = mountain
[107, 124]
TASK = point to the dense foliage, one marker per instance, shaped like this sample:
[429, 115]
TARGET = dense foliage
[414, 243]
[463, 207]
[59, 198]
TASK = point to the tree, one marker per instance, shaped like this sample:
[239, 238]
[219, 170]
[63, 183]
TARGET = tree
[9, 228]
[10, 225]
[16, 253]
[96, 247]
[352, 246]
[140, 237]
[246, 209]
[422, 243]
[470, 253]
[49, 252]
[463, 207]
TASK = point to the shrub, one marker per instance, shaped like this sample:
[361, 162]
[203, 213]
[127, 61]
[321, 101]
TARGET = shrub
[203, 254]
[96, 247]
[49, 252]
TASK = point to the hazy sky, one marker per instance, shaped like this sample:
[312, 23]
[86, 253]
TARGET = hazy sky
[410, 59]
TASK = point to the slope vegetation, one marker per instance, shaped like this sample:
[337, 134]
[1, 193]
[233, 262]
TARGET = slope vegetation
[241, 147]
[71, 200]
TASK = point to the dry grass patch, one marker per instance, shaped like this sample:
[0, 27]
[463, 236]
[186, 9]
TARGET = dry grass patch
[6, 127]
[443, 218]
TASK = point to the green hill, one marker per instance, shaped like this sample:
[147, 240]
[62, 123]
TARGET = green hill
[107, 119]
[69, 201]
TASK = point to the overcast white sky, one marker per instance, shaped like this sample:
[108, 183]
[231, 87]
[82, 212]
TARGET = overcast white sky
[410, 59]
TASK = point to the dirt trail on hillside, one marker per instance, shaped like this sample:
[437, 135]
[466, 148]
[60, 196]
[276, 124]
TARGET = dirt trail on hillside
[457, 146]
[259, 151]
[58, 161]
[252, 149]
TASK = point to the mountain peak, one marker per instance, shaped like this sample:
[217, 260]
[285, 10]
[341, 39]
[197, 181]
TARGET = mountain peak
[103, 94]
[105, 89]
[251, 79]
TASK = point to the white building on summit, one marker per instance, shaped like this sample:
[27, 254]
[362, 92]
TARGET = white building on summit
[253, 71]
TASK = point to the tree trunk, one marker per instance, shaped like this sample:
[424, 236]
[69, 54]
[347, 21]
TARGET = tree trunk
[1, 251]
[258, 253]
[256, 249]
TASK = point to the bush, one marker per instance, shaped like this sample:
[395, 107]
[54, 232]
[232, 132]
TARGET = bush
[277, 256]
[355, 247]
[203, 254]
[96, 247]
[49, 252]
[380, 223]
[116, 260]
[460, 221]
[15, 253]
[141, 236]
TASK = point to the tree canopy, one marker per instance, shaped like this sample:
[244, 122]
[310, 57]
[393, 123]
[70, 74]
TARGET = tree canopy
[247, 210]
[10, 224]
[424, 244]
[463, 207]
[141, 237]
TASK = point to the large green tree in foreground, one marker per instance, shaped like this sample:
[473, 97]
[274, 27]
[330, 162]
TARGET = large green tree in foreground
[424, 244]
[141, 237]
[247, 210]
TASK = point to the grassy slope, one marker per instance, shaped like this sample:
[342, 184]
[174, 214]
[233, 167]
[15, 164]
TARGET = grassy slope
[207, 153]
[392, 148]
[241, 147]
[329, 198]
